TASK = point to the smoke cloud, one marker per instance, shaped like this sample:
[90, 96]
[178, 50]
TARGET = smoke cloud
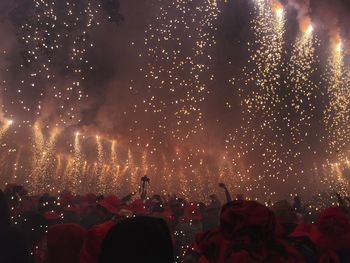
[303, 8]
[332, 16]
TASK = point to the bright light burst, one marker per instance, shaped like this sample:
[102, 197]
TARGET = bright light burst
[337, 112]
[41, 177]
[75, 173]
[5, 127]
[263, 103]
[303, 91]
[99, 172]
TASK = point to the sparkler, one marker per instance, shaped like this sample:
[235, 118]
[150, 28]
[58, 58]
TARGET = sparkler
[337, 111]
[115, 168]
[43, 162]
[5, 128]
[102, 188]
[263, 103]
[132, 172]
[77, 166]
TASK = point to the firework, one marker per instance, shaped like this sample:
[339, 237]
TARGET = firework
[102, 188]
[337, 111]
[5, 128]
[43, 161]
[77, 166]
[276, 105]
[115, 169]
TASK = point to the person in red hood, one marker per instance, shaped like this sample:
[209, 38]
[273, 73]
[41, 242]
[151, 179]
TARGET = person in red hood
[332, 236]
[95, 236]
[246, 235]
[208, 247]
[92, 244]
[64, 243]
[250, 228]
[301, 240]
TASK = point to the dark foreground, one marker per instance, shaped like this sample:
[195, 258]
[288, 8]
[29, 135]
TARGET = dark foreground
[162, 229]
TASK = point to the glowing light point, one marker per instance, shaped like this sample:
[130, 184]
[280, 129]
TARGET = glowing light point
[309, 30]
[97, 137]
[9, 122]
[279, 12]
[77, 133]
[339, 46]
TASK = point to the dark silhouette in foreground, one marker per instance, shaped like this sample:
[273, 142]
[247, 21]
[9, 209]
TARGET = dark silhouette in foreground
[138, 239]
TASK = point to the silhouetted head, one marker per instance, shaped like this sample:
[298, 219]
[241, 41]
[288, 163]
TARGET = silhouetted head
[138, 239]
[4, 212]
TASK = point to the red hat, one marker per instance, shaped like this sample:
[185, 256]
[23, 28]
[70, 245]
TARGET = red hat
[64, 243]
[192, 212]
[111, 203]
[138, 207]
[241, 214]
[93, 241]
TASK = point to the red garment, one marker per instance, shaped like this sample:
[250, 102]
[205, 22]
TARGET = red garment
[303, 230]
[111, 203]
[244, 214]
[138, 207]
[93, 241]
[247, 234]
[332, 234]
[64, 243]
[212, 245]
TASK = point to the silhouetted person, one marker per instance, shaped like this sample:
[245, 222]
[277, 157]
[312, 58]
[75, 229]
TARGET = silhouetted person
[138, 239]
[143, 188]
[12, 245]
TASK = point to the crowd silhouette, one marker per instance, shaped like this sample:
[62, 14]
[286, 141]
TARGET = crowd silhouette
[161, 228]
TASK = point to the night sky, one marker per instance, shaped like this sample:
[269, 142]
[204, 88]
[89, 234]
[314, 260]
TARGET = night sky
[254, 93]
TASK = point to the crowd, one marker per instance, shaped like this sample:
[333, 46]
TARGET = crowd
[160, 229]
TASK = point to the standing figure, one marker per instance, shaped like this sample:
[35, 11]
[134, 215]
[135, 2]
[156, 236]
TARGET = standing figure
[144, 181]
